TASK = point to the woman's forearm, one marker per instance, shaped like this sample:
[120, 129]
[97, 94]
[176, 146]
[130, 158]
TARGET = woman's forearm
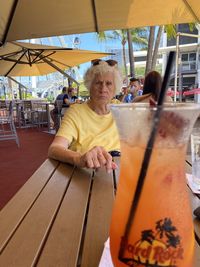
[60, 153]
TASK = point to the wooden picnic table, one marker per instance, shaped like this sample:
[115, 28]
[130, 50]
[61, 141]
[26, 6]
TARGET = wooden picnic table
[61, 217]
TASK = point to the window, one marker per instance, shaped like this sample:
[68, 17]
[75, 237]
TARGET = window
[184, 57]
[192, 56]
[193, 65]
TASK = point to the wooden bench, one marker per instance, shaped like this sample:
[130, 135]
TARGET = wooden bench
[61, 217]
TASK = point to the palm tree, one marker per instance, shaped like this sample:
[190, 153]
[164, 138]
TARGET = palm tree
[153, 44]
[150, 49]
[120, 35]
[137, 36]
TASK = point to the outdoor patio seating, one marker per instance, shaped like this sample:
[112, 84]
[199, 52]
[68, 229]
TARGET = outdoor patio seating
[7, 126]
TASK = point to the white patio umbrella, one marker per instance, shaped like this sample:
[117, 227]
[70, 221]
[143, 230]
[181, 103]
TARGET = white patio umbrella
[26, 19]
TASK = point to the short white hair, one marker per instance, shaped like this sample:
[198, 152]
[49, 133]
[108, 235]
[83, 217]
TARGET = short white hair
[102, 68]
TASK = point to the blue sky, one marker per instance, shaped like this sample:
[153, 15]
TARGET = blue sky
[88, 41]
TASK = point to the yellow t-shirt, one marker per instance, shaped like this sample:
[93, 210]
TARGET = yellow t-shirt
[115, 101]
[84, 129]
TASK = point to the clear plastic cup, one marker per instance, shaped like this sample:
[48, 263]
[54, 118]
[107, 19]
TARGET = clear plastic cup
[195, 154]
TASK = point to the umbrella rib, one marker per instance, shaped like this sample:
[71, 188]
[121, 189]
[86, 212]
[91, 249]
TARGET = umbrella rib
[28, 57]
[41, 57]
[14, 60]
[10, 54]
[15, 64]
[95, 16]
[58, 69]
[12, 12]
[191, 11]
[40, 54]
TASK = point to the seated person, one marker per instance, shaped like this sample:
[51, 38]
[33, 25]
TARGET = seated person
[88, 131]
[64, 97]
[134, 90]
[55, 113]
[67, 97]
[71, 96]
[151, 88]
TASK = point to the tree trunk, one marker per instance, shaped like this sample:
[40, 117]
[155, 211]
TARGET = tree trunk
[157, 43]
[131, 56]
[20, 92]
[124, 59]
[150, 49]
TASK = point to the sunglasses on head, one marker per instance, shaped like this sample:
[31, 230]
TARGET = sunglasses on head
[110, 62]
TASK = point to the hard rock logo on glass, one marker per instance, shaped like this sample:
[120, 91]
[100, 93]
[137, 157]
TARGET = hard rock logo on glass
[156, 248]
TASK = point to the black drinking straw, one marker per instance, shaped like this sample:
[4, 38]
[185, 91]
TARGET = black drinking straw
[147, 155]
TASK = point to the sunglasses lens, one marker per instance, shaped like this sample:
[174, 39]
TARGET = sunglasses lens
[110, 62]
[95, 62]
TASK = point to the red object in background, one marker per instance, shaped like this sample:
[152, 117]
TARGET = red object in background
[171, 93]
[192, 92]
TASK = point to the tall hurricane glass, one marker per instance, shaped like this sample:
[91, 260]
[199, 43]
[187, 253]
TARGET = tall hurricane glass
[159, 231]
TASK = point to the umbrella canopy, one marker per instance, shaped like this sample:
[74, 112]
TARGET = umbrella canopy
[26, 59]
[22, 19]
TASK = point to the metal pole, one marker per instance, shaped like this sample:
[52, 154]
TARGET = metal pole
[188, 34]
[176, 65]
[58, 69]
[11, 78]
[180, 83]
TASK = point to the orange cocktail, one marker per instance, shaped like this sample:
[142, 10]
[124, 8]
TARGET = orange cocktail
[161, 232]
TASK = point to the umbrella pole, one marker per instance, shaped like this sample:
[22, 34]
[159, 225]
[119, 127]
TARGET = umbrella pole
[20, 85]
[58, 69]
[176, 65]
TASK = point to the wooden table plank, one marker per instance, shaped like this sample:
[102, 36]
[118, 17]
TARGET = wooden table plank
[63, 244]
[195, 202]
[25, 244]
[19, 205]
[99, 217]
[197, 255]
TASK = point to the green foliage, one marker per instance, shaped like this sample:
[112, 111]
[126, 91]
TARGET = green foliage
[140, 71]
[138, 35]
[83, 90]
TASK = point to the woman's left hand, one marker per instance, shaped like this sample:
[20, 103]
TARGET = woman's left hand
[96, 158]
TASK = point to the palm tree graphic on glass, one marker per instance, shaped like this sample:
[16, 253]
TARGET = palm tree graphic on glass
[158, 248]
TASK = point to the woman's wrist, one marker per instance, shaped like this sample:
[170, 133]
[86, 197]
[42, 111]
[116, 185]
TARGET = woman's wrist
[77, 159]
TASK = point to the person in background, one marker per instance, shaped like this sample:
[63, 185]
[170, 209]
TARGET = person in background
[63, 100]
[71, 95]
[151, 89]
[135, 87]
[132, 91]
[63, 96]
[88, 132]
[123, 93]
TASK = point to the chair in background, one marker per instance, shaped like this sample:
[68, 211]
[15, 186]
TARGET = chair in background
[59, 105]
[7, 126]
[39, 114]
[25, 114]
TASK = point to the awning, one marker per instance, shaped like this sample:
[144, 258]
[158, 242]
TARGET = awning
[26, 19]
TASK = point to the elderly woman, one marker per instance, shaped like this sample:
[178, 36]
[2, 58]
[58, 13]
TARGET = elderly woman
[88, 131]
